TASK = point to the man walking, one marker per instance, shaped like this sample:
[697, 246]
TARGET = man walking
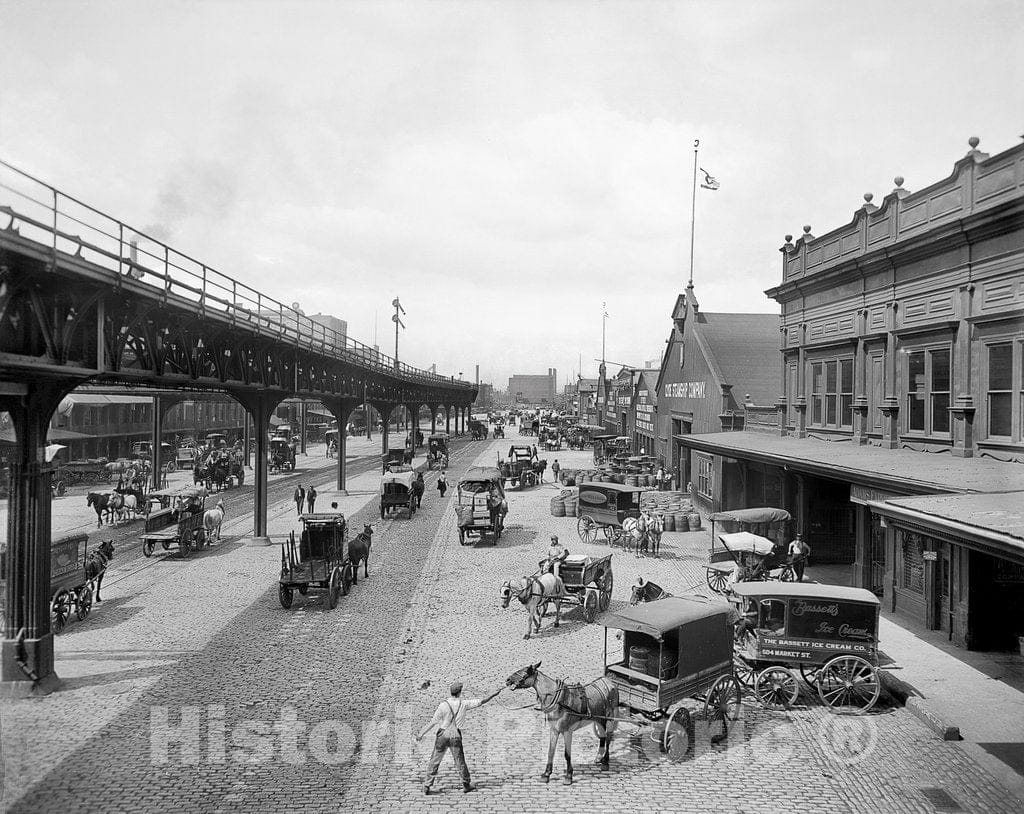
[442, 483]
[799, 551]
[554, 470]
[311, 498]
[299, 497]
[448, 719]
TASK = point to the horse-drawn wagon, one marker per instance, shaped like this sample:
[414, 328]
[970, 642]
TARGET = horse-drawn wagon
[437, 449]
[75, 577]
[518, 468]
[828, 632]
[282, 455]
[605, 507]
[93, 470]
[397, 457]
[753, 546]
[178, 521]
[397, 492]
[588, 583]
[480, 504]
[319, 562]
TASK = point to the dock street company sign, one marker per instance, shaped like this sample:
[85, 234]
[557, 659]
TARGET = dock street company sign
[644, 413]
[684, 390]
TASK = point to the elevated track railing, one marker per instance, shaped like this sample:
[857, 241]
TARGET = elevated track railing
[44, 214]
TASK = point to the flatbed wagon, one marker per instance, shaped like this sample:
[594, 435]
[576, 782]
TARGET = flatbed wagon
[319, 561]
[178, 522]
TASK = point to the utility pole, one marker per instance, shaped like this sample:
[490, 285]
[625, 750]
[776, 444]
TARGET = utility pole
[398, 322]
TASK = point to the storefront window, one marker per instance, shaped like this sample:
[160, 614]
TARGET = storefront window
[912, 571]
[818, 393]
[832, 393]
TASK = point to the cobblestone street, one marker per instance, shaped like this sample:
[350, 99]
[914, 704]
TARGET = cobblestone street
[191, 688]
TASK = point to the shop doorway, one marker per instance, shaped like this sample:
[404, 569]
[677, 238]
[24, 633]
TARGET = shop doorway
[830, 522]
[996, 603]
[876, 555]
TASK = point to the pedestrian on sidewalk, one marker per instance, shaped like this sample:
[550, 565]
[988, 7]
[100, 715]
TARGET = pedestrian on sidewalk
[799, 551]
[442, 483]
[418, 487]
[554, 470]
[448, 719]
[311, 497]
[659, 479]
[299, 497]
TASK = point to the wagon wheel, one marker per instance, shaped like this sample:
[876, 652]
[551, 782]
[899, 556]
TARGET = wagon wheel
[334, 589]
[787, 574]
[462, 536]
[810, 673]
[346, 579]
[614, 536]
[147, 547]
[83, 602]
[605, 584]
[718, 581]
[590, 603]
[185, 543]
[60, 488]
[169, 467]
[744, 672]
[677, 740]
[200, 538]
[849, 684]
[587, 529]
[284, 593]
[777, 687]
[723, 704]
[60, 610]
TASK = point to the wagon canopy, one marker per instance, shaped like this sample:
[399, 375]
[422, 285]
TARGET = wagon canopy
[745, 542]
[760, 515]
[805, 590]
[403, 478]
[665, 615]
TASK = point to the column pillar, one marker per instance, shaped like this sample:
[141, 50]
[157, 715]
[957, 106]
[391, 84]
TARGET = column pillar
[341, 409]
[801, 385]
[260, 406]
[961, 413]
[862, 547]
[433, 418]
[448, 419]
[860, 381]
[385, 434]
[156, 437]
[26, 653]
[891, 404]
[302, 427]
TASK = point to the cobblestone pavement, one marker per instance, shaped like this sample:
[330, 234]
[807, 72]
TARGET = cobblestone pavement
[311, 709]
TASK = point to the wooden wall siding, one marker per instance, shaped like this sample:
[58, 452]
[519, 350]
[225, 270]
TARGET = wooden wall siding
[977, 183]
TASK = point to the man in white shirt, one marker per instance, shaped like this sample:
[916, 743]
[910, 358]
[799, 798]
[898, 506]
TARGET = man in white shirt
[448, 720]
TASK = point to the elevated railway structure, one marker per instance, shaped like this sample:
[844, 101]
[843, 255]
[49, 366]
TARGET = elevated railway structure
[87, 299]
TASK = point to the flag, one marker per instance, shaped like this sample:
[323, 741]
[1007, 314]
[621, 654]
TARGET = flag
[604, 307]
[709, 182]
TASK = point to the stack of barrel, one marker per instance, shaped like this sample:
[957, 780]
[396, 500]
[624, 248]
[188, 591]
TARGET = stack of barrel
[676, 508]
[566, 503]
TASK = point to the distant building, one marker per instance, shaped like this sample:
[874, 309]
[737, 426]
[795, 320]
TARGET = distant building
[534, 389]
[484, 396]
[713, 364]
[339, 326]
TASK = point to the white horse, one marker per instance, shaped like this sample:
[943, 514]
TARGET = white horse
[634, 530]
[212, 520]
[535, 592]
[129, 509]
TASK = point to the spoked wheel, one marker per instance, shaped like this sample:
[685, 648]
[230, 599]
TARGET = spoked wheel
[777, 687]
[587, 529]
[787, 574]
[147, 548]
[200, 539]
[334, 589]
[677, 740]
[613, 534]
[346, 579]
[83, 602]
[723, 704]
[809, 673]
[60, 610]
[284, 593]
[849, 685]
[590, 604]
[744, 673]
[185, 544]
[606, 583]
[718, 581]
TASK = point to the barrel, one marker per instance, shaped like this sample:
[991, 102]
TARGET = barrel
[557, 507]
[638, 658]
[670, 522]
[693, 520]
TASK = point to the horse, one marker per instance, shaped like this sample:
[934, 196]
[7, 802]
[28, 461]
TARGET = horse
[655, 528]
[535, 592]
[359, 551]
[634, 534]
[568, 707]
[96, 564]
[212, 520]
[538, 469]
[99, 502]
[646, 592]
[129, 508]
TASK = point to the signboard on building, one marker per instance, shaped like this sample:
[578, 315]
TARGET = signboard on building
[684, 390]
[865, 494]
[644, 413]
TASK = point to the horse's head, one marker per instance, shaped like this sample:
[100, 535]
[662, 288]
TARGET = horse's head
[107, 549]
[526, 677]
[91, 499]
[367, 530]
[506, 593]
[220, 505]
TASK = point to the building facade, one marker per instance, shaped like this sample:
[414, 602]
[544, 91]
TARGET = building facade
[713, 365]
[534, 389]
[899, 419]
[643, 411]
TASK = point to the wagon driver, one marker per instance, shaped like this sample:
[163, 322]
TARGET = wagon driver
[557, 554]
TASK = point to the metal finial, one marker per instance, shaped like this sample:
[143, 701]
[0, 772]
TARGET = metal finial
[807, 230]
[789, 238]
[974, 141]
[898, 180]
[868, 196]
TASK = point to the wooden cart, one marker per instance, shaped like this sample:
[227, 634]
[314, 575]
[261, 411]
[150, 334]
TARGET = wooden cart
[69, 589]
[318, 561]
[178, 521]
[588, 582]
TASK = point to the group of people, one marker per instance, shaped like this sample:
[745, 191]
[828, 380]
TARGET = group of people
[304, 496]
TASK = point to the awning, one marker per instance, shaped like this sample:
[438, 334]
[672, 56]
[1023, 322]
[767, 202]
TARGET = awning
[762, 515]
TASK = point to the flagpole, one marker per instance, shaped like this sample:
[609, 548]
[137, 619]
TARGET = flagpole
[693, 207]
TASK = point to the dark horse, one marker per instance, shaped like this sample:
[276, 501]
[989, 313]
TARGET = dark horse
[568, 707]
[647, 592]
[96, 564]
[105, 503]
[359, 551]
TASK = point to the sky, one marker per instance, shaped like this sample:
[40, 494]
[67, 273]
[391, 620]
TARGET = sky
[503, 167]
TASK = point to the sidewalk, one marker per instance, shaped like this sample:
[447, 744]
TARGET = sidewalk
[978, 696]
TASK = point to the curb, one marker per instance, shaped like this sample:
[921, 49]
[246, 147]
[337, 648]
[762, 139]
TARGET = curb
[910, 698]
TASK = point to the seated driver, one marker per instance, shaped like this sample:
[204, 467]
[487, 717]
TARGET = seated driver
[557, 554]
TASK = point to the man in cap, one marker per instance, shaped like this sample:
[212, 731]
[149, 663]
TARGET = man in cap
[448, 720]
[556, 556]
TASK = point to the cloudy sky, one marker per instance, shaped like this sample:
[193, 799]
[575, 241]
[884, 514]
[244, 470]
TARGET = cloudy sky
[504, 167]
